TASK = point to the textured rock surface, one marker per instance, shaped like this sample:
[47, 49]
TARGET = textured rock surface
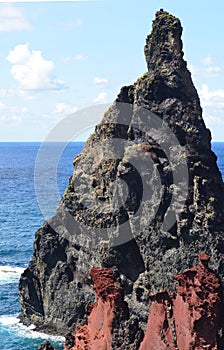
[46, 346]
[55, 289]
[109, 318]
[192, 319]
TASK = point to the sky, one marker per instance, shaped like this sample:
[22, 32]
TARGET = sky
[58, 57]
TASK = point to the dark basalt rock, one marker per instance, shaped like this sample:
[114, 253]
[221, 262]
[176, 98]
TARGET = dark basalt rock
[69, 341]
[46, 346]
[55, 289]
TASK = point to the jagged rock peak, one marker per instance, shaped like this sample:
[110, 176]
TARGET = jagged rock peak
[164, 55]
[164, 43]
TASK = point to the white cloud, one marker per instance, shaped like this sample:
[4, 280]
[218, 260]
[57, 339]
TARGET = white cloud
[64, 108]
[100, 82]
[101, 98]
[2, 105]
[10, 118]
[210, 98]
[31, 70]
[25, 110]
[202, 72]
[79, 57]
[213, 120]
[213, 69]
[3, 93]
[207, 61]
[11, 110]
[9, 114]
[193, 69]
[12, 19]
[69, 25]
[78, 22]
[20, 55]
[47, 0]
[7, 92]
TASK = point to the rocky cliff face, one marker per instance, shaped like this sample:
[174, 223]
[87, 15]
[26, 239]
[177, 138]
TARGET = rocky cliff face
[192, 318]
[109, 322]
[153, 139]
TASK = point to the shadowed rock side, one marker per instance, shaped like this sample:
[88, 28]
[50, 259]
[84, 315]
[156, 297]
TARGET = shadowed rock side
[55, 289]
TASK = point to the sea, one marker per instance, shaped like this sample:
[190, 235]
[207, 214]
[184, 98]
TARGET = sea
[20, 217]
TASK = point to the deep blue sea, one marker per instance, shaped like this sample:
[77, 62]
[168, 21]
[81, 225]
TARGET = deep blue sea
[20, 217]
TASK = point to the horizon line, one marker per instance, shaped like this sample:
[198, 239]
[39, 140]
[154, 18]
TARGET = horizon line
[75, 141]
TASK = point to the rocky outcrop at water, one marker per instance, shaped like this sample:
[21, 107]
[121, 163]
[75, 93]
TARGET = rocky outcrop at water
[153, 139]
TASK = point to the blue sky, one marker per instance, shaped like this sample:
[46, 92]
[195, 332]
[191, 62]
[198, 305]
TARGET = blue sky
[57, 57]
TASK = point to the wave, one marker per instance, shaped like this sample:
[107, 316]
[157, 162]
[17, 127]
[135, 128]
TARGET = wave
[10, 274]
[13, 325]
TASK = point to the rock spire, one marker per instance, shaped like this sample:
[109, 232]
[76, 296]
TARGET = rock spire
[153, 140]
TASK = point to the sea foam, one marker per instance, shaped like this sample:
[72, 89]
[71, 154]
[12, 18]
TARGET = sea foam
[10, 274]
[13, 325]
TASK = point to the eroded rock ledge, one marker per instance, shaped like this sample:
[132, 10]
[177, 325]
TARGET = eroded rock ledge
[192, 318]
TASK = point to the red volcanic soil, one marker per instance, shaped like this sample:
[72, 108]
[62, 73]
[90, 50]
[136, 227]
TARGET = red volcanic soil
[191, 318]
[186, 320]
[109, 300]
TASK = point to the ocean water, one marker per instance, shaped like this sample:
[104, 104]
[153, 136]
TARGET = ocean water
[20, 217]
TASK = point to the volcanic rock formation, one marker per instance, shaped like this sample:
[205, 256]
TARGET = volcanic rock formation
[109, 322]
[153, 139]
[46, 346]
[191, 319]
